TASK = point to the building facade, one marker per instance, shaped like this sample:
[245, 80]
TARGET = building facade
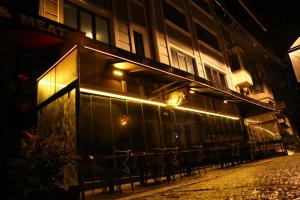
[140, 75]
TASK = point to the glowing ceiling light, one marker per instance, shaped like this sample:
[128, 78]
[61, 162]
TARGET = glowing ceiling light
[117, 73]
[192, 91]
[108, 94]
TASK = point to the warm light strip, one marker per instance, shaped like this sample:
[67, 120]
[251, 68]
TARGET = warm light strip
[205, 112]
[156, 69]
[84, 90]
[57, 62]
[89, 91]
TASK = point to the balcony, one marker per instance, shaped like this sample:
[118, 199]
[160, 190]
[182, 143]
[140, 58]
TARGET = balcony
[242, 78]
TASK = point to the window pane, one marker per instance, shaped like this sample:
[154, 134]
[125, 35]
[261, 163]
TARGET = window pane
[234, 62]
[70, 15]
[175, 16]
[136, 126]
[85, 125]
[181, 62]
[102, 33]
[101, 125]
[151, 126]
[222, 80]
[190, 65]
[207, 37]
[139, 44]
[216, 77]
[137, 14]
[86, 23]
[120, 126]
[169, 135]
[209, 74]
[174, 57]
[181, 131]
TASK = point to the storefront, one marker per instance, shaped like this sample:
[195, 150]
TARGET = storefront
[105, 102]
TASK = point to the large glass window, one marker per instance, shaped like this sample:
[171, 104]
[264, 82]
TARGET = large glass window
[70, 15]
[215, 76]
[136, 126]
[94, 26]
[174, 16]
[207, 37]
[183, 61]
[151, 122]
[102, 32]
[101, 125]
[86, 23]
[120, 124]
[182, 131]
[167, 128]
[85, 125]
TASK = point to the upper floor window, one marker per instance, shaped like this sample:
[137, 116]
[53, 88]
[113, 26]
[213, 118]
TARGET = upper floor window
[207, 37]
[138, 43]
[203, 4]
[234, 62]
[94, 26]
[174, 16]
[215, 76]
[183, 61]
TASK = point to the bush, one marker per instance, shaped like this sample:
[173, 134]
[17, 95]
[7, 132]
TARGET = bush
[42, 163]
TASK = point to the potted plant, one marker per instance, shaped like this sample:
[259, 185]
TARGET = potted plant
[39, 172]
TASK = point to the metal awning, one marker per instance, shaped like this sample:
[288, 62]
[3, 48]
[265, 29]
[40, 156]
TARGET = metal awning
[177, 78]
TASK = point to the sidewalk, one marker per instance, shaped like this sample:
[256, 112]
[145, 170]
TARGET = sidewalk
[149, 189]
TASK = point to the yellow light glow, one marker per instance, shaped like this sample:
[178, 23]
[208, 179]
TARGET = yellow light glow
[192, 91]
[225, 101]
[117, 73]
[89, 35]
[175, 99]
[124, 120]
[120, 65]
[44, 82]
[107, 94]
[54, 65]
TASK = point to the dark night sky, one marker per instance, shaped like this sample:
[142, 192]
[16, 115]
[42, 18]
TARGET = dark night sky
[280, 18]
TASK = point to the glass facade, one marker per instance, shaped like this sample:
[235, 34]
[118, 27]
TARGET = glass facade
[147, 126]
[121, 112]
[58, 77]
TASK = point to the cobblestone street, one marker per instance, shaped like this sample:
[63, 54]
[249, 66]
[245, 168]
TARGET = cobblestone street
[276, 178]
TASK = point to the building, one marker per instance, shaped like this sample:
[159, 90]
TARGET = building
[136, 74]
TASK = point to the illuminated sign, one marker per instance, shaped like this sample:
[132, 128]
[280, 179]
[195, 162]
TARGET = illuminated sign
[175, 99]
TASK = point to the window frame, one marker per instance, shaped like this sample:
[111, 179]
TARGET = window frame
[210, 32]
[93, 21]
[218, 72]
[185, 56]
[186, 29]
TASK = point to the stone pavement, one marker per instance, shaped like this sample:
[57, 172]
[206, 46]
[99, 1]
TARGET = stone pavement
[274, 178]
